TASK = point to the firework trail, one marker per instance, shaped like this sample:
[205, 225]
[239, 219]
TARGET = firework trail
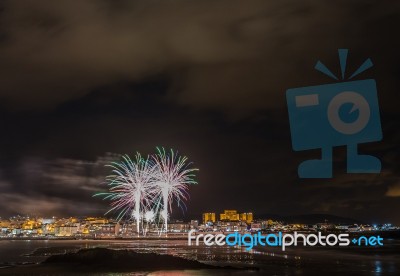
[132, 187]
[172, 178]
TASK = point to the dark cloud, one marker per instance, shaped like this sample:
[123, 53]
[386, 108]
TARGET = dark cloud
[54, 187]
[208, 78]
[220, 54]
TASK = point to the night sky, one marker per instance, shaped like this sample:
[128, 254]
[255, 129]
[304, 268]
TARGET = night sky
[83, 81]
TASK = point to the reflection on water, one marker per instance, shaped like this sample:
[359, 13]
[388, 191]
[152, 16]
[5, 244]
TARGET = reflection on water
[300, 260]
[378, 266]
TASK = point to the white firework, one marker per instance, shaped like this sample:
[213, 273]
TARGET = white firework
[132, 187]
[172, 179]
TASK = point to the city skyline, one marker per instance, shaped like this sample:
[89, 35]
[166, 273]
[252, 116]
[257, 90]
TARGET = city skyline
[97, 227]
[201, 217]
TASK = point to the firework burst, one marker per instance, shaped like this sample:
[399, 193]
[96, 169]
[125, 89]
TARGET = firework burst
[141, 188]
[132, 187]
[173, 176]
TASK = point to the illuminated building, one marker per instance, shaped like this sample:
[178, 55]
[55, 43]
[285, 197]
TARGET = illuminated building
[66, 231]
[47, 220]
[30, 224]
[5, 224]
[92, 220]
[108, 229]
[178, 226]
[194, 224]
[85, 231]
[208, 217]
[229, 215]
[256, 226]
[48, 229]
[246, 217]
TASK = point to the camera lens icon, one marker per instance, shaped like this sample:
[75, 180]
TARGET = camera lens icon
[331, 115]
[345, 113]
[359, 103]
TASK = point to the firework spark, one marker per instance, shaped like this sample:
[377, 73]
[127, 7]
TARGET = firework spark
[172, 179]
[132, 187]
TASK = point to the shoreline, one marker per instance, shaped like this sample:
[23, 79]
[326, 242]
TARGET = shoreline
[389, 234]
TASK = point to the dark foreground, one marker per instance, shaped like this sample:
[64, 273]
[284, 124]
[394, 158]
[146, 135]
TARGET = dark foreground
[175, 257]
[102, 260]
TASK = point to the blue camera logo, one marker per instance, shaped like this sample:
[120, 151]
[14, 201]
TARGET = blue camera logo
[337, 114]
